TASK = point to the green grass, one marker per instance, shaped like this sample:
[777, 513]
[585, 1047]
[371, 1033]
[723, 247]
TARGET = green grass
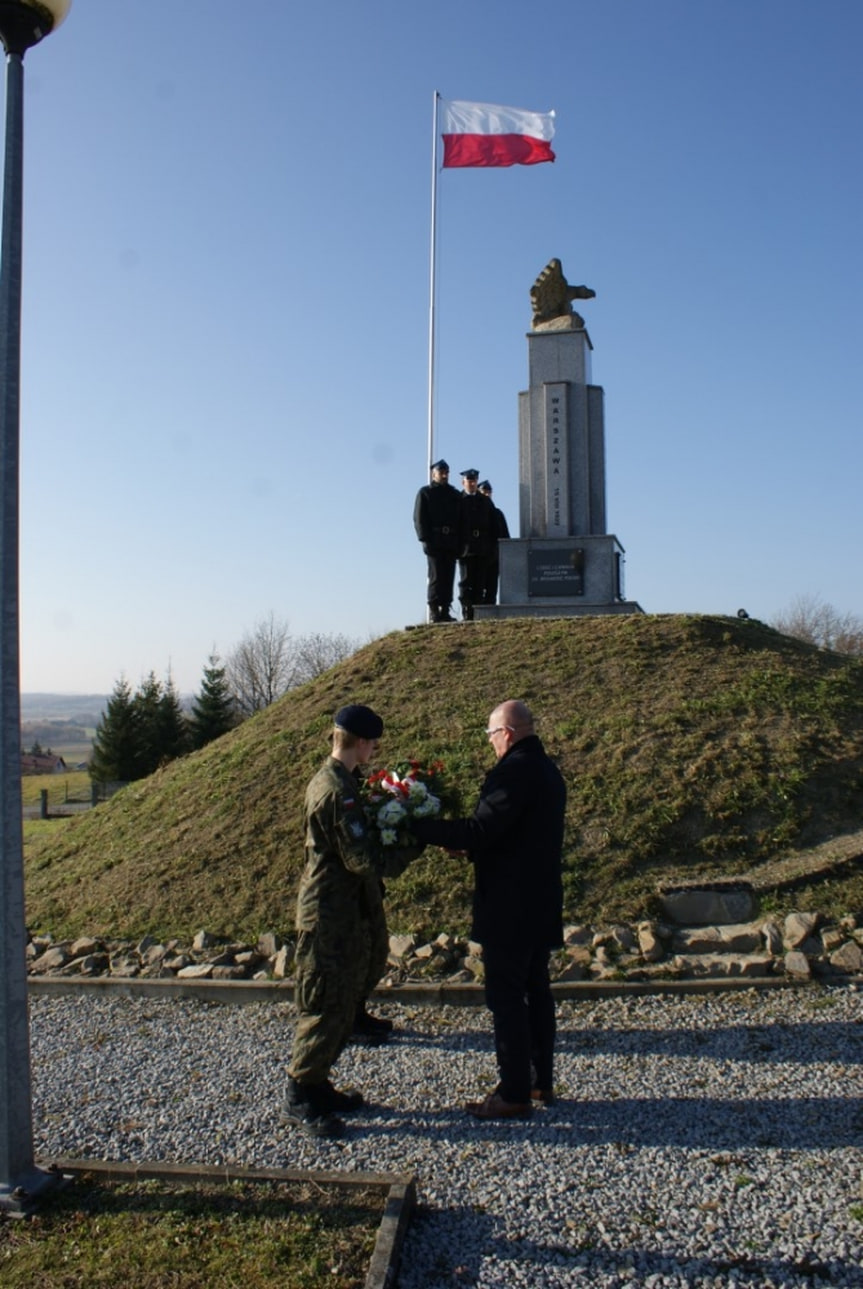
[692, 746]
[101, 1234]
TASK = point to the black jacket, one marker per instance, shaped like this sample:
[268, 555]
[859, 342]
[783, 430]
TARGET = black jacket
[477, 530]
[514, 840]
[436, 518]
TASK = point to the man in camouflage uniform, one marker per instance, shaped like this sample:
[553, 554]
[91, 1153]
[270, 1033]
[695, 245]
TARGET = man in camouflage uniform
[333, 910]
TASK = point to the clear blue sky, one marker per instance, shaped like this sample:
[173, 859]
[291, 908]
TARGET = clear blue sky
[226, 307]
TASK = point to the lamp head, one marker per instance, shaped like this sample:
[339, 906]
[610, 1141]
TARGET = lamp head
[25, 22]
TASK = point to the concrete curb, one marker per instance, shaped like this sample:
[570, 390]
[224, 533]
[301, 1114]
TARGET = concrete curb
[424, 995]
[400, 1196]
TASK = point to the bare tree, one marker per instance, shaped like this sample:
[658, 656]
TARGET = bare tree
[810, 619]
[262, 667]
[316, 653]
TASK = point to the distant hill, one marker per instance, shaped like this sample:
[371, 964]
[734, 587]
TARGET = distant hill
[79, 709]
[691, 745]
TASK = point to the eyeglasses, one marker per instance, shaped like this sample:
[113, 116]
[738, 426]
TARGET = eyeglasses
[498, 729]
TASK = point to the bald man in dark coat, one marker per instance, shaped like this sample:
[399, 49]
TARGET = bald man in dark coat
[515, 840]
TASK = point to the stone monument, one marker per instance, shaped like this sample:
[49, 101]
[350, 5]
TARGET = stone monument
[563, 563]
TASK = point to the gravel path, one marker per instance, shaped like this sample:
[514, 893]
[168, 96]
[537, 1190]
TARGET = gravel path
[699, 1141]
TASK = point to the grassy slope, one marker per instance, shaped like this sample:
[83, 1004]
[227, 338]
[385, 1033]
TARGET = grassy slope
[692, 746]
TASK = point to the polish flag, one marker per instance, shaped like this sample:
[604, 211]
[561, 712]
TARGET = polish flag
[484, 134]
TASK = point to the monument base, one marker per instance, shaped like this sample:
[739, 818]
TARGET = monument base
[547, 577]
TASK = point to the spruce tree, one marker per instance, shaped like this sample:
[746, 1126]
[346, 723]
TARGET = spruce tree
[148, 706]
[174, 738]
[115, 746]
[213, 709]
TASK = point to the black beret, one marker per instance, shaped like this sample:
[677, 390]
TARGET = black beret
[360, 721]
[485, 484]
[439, 465]
[470, 474]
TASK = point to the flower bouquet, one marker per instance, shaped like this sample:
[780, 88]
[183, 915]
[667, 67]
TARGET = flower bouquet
[393, 797]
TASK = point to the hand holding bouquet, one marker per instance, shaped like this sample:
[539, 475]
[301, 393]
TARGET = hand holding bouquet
[393, 797]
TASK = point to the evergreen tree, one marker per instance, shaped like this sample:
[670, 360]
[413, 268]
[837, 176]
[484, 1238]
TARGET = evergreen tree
[174, 737]
[115, 746]
[213, 710]
[148, 706]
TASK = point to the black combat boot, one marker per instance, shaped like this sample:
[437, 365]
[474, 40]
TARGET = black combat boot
[336, 1101]
[368, 1026]
[307, 1106]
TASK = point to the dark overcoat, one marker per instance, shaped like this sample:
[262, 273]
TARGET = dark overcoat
[515, 841]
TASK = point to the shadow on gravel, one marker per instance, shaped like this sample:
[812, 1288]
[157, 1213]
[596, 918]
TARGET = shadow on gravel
[792, 1123]
[802, 1044]
[466, 1040]
[540, 1263]
[453, 1246]
[445, 1247]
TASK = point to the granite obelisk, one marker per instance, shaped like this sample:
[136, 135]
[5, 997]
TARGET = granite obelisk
[564, 562]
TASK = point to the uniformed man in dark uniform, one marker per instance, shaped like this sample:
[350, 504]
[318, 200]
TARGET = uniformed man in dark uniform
[436, 520]
[500, 531]
[475, 542]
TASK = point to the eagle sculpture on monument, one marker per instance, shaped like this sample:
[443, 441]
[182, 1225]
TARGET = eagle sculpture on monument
[551, 299]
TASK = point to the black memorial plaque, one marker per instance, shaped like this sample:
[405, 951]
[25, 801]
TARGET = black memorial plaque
[555, 572]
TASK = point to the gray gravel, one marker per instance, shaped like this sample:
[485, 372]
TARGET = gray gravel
[700, 1141]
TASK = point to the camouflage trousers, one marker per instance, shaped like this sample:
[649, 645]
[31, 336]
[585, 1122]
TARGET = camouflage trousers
[332, 968]
[376, 942]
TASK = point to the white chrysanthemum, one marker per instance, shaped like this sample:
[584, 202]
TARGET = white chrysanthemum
[417, 790]
[429, 806]
[389, 836]
[391, 814]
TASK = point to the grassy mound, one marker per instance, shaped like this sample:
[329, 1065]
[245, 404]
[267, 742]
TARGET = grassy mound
[692, 746]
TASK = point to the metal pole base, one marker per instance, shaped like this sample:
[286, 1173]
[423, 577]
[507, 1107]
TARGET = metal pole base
[26, 1193]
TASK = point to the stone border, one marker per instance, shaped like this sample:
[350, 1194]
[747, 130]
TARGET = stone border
[426, 995]
[399, 1204]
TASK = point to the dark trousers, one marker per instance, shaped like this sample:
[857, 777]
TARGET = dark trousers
[518, 995]
[492, 572]
[471, 586]
[441, 575]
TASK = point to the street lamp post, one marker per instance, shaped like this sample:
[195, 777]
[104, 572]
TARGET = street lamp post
[22, 23]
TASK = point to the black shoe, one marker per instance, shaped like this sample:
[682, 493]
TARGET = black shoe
[311, 1121]
[312, 1106]
[322, 1097]
[369, 1026]
[330, 1099]
[446, 616]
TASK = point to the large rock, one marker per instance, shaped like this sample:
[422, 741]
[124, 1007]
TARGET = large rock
[649, 943]
[848, 958]
[798, 928]
[754, 965]
[719, 939]
[713, 904]
[401, 946]
[797, 965]
[51, 960]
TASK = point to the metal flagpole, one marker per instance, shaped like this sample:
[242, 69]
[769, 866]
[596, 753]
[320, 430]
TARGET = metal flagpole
[432, 285]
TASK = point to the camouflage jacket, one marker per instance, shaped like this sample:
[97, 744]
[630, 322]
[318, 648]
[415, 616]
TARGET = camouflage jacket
[342, 859]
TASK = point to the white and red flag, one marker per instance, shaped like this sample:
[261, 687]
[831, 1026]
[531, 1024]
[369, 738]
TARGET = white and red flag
[485, 134]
